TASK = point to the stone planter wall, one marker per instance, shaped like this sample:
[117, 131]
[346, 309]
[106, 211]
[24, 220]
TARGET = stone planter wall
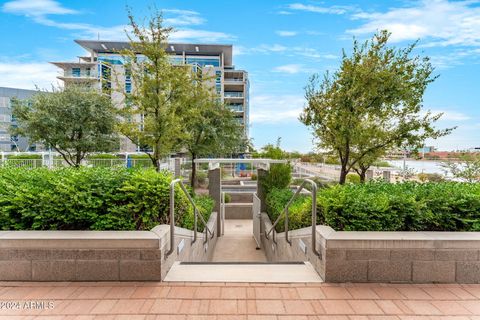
[95, 255]
[413, 257]
[403, 257]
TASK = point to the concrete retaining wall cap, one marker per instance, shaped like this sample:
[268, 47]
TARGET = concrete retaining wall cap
[78, 239]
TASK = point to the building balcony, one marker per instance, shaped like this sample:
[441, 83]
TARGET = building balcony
[236, 107]
[233, 94]
[234, 80]
[80, 76]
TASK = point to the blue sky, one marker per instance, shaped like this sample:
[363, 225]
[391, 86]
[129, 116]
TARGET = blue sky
[280, 43]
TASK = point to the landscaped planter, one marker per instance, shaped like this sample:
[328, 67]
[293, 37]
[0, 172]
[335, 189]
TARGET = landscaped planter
[97, 255]
[364, 256]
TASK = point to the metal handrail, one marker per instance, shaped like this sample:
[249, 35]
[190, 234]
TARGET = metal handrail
[285, 212]
[222, 212]
[196, 215]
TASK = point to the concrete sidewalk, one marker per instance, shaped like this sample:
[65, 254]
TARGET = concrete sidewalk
[155, 300]
[237, 243]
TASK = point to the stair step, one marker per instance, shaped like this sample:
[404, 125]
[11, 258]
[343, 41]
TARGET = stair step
[238, 210]
[289, 272]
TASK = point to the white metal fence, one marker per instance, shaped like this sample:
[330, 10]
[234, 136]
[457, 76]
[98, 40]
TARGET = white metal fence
[52, 160]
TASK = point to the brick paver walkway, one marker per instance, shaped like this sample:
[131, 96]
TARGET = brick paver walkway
[239, 301]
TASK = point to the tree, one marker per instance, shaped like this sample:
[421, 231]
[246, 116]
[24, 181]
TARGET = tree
[272, 151]
[73, 121]
[466, 169]
[279, 175]
[211, 128]
[371, 104]
[154, 112]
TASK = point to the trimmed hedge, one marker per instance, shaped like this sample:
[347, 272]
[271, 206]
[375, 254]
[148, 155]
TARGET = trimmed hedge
[24, 157]
[90, 199]
[380, 206]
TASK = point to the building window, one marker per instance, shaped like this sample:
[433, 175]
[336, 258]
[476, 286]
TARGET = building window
[204, 61]
[5, 118]
[176, 60]
[4, 102]
[106, 79]
[218, 81]
[128, 80]
[76, 72]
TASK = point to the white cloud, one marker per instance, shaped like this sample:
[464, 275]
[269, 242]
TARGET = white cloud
[182, 17]
[275, 108]
[285, 33]
[27, 75]
[39, 11]
[281, 49]
[293, 69]
[34, 8]
[200, 35]
[441, 22]
[318, 9]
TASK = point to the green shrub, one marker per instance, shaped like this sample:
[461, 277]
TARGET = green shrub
[102, 156]
[24, 157]
[87, 199]
[380, 206]
[353, 178]
[430, 177]
[205, 206]
[201, 178]
[228, 198]
[254, 177]
[277, 199]
[278, 177]
[139, 156]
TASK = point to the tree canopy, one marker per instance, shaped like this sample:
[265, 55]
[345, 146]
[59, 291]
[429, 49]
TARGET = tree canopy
[154, 113]
[210, 128]
[371, 104]
[73, 121]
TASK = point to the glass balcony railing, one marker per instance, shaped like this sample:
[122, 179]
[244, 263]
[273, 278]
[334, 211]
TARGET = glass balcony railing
[233, 94]
[236, 107]
[82, 74]
[240, 80]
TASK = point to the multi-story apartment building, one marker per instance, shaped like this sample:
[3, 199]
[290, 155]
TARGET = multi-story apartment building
[103, 69]
[8, 142]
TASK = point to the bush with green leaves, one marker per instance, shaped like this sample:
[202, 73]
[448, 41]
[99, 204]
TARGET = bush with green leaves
[24, 157]
[380, 206]
[277, 199]
[278, 177]
[353, 178]
[95, 156]
[89, 199]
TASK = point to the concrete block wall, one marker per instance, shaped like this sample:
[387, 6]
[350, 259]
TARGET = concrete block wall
[397, 257]
[282, 251]
[96, 255]
[238, 211]
[409, 257]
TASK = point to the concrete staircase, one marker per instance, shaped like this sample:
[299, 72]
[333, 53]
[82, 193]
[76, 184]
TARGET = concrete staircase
[236, 258]
[240, 206]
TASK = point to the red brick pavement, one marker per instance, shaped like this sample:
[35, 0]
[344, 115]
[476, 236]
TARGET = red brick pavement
[232, 301]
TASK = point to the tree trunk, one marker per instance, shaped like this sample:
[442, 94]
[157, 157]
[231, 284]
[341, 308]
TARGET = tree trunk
[343, 174]
[156, 158]
[193, 177]
[78, 159]
[362, 174]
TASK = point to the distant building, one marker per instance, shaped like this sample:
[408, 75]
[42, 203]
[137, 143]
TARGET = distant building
[426, 149]
[96, 70]
[7, 141]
